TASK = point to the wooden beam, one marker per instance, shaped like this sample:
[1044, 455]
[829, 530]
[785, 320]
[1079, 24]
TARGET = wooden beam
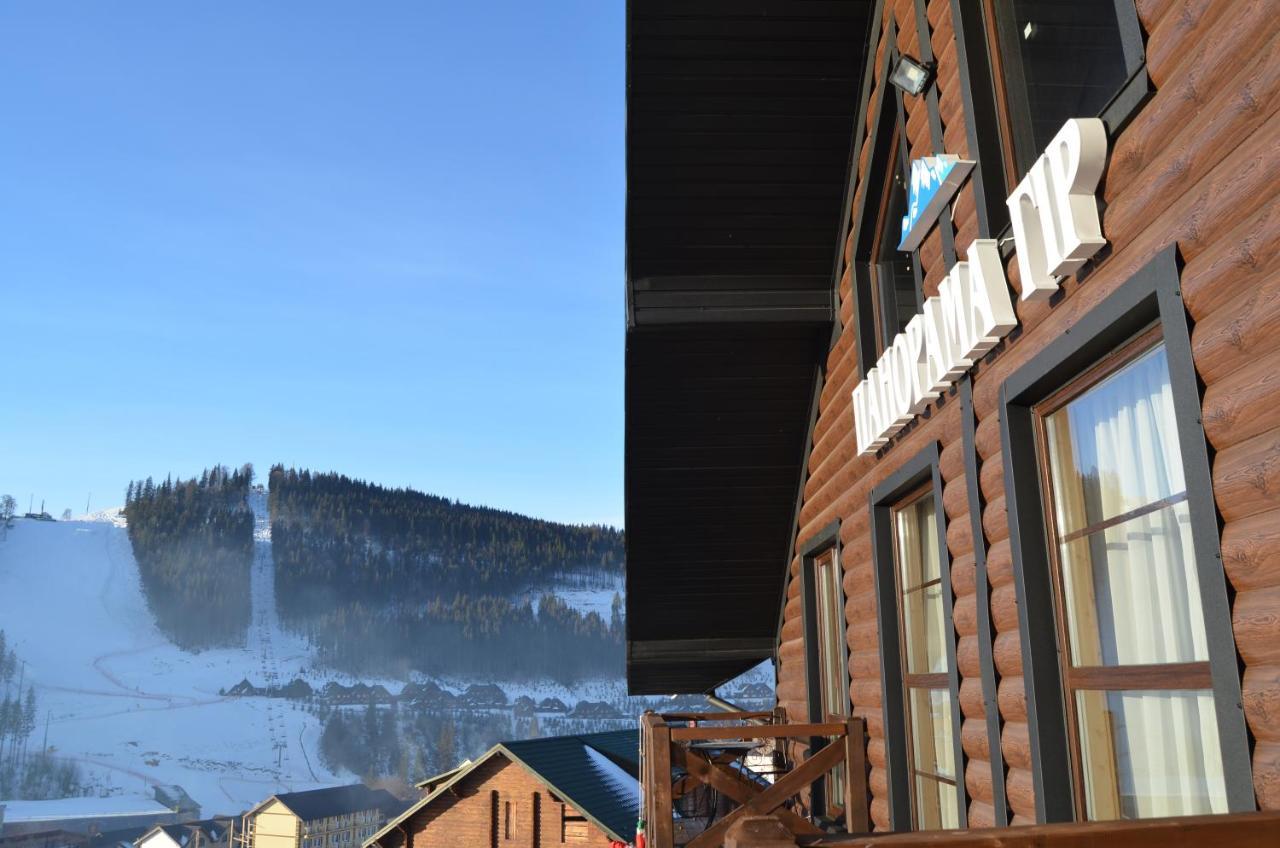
[686, 734]
[661, 826]
[857, 813]
[773, 797]
[736, 787]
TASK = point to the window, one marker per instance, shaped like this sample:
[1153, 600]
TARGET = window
[1133, 686]
[921, 687]
[573, 827]
[887, 285]
[925, 634]
[1136, 676]
[1062, 60]
[893, 290]
[508, 826]
[826, 651]
[833, 694]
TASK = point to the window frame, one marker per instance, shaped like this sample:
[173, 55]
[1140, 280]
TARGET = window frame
[1151, 295]
[888, 148]
[920, 681]
[1009, 80]
[917, 473]
[825, 542]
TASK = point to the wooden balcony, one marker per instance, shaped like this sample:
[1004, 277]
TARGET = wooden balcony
[687, 753]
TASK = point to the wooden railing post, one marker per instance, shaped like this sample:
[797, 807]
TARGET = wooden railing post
[660, 826]
[857, 815]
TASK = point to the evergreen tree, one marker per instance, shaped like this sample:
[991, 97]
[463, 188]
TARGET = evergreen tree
[193, 541]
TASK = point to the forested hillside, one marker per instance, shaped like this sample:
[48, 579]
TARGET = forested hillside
[193, 540]
[405, 580]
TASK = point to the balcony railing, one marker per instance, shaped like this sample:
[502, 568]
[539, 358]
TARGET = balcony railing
[685, 754]
[1238, 830]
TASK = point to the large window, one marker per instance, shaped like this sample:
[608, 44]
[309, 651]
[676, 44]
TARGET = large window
[922, 616]
[1061, 60]
[1133, 687]
[1136, 674]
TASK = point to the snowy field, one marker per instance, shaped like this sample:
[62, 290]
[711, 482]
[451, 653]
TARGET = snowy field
[131, 707]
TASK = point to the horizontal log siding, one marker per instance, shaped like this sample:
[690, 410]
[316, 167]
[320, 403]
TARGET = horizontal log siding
[1196, 167]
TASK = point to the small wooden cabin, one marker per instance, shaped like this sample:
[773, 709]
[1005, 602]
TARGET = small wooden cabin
[556, 790]
[952, 334]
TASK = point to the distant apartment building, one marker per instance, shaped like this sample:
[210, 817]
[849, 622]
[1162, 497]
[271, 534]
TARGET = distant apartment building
[337, 817]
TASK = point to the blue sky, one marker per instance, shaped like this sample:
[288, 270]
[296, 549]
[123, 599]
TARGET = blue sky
[379, 238]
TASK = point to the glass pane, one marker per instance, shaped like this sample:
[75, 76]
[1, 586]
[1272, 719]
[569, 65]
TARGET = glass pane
[1115, 447]
[1132, 595]
[1072, 59]
[931, 733]
[925, 639]
[933, 752]
[831, 634]
[937, 807]
[924, 623]
[895, 282]
[1150, 753]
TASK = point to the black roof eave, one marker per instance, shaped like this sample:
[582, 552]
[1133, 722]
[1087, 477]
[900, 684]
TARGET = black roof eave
[740, 123]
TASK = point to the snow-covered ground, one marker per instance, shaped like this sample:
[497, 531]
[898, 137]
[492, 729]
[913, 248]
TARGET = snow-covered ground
[135, 710]
[126, 703]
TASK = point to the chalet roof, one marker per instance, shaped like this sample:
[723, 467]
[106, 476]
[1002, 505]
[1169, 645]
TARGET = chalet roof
[740, 123]
[337, 801]
[592, 772]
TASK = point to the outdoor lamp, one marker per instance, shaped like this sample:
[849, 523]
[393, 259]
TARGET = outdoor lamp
[911, 76]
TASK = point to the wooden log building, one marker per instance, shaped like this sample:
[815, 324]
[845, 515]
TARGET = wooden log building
[953, 334]
[555, 790]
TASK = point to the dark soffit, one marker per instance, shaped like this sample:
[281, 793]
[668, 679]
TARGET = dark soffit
[740, 116]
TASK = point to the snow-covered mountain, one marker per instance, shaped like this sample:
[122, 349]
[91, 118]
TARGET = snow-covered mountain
[129, 706]
[134, 710]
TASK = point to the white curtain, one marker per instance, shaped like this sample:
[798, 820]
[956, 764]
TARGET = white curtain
[1132, 595]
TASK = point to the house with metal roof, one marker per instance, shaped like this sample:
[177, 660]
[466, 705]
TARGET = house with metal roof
[580, 789]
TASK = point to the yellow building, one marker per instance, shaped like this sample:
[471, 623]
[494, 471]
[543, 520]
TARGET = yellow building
[337, 817]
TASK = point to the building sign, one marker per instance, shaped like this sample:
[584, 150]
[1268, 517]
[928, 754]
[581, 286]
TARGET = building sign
[934, 181]
[1055, 228]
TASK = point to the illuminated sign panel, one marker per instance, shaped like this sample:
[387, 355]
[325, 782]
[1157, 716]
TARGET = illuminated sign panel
[1056, 229]
[934, 181]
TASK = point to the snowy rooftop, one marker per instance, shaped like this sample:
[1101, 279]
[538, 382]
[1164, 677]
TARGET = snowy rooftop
[79, 808]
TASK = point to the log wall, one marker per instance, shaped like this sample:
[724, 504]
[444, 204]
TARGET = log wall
[1197, 167]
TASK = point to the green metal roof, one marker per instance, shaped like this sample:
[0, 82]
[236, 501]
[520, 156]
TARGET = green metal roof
[566, 764]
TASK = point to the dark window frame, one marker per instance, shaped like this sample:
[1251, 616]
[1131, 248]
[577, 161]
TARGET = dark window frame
[919, 471]
[888, 146]
[1010, 82]
[826, 540]
[1151, 295]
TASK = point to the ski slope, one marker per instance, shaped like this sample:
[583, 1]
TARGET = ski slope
[130, 706]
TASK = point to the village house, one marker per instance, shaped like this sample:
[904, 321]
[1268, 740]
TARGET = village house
[336, 817]
[558, 790]
[950, 388]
